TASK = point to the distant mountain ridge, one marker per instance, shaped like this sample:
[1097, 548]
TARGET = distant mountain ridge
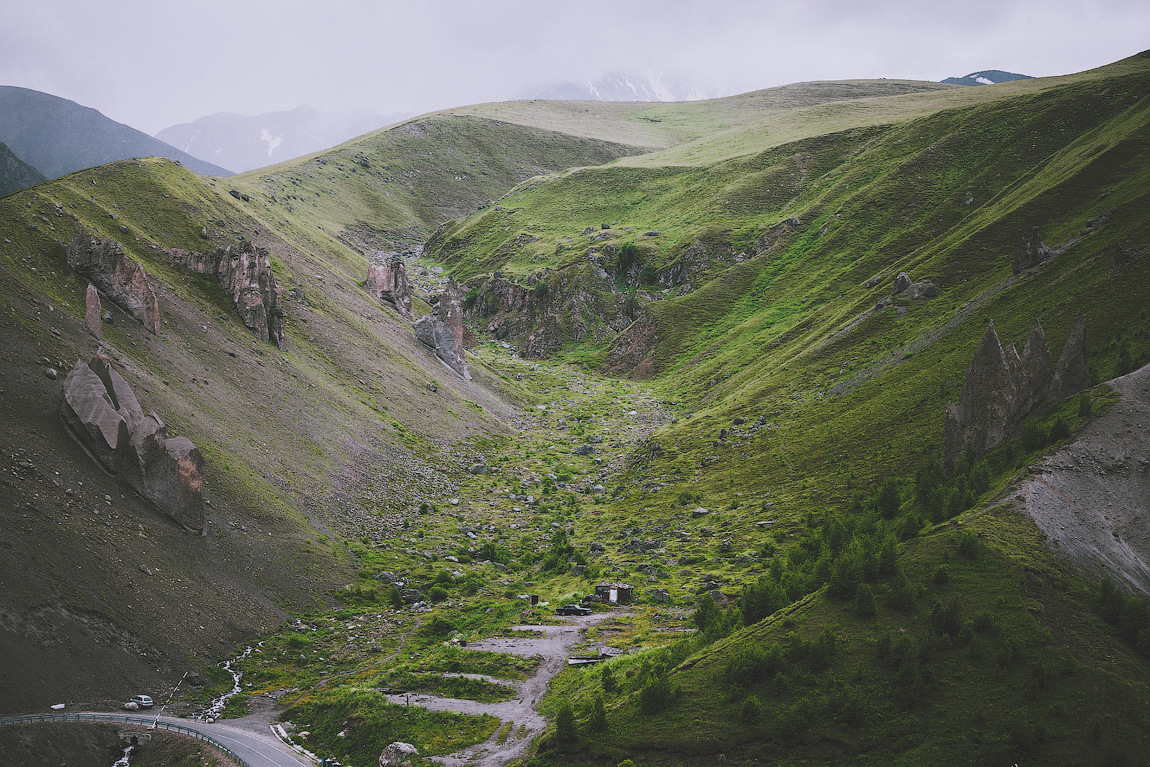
[15, 174]
[242, 142]
[986, 77]
[623, 86]
[57, 136]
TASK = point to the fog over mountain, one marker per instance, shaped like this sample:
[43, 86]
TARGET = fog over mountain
[624, 86]
[241, 142]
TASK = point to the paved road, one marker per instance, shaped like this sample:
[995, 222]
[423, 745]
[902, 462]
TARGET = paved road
[254, 748]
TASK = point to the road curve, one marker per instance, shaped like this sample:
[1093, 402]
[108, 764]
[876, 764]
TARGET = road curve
[254, 749]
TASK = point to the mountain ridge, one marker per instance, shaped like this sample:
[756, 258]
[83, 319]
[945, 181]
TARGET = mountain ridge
[15, 174]
[58, 136]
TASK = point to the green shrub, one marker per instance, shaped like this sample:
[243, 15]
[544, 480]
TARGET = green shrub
[565, 731]
[1059, 431]
[607, 680]
[540, 289]
[864, 601]
[658, 694]
[968, 544]
[1034, 436]
[597, 716]
[629, 255]
[751, 711]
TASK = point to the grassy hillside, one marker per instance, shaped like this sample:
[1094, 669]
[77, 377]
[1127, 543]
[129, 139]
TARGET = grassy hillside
[757, 452]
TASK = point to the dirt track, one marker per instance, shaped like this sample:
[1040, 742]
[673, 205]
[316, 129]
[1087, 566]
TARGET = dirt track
[554, 648]
[1092, 498]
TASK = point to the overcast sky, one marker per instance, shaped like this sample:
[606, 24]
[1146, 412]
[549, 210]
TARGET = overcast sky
[155, 63]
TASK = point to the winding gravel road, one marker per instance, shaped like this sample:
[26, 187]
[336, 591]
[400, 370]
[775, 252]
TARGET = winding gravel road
[553, 647]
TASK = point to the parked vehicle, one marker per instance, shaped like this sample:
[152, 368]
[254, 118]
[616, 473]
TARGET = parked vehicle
[573, 609]
[143, 701]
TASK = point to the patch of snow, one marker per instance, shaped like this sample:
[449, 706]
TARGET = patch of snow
[272, 141]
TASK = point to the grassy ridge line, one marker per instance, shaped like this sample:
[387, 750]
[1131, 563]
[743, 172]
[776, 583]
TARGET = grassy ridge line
[661, 125]
[392, 188]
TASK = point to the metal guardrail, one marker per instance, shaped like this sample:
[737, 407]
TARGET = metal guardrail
[151, 723]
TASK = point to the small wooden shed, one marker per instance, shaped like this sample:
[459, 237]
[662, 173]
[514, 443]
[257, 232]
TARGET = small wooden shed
[614, 593]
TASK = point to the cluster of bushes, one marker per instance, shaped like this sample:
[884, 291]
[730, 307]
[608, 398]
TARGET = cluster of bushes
[561, 553]
[1131, 614]
[755, 664]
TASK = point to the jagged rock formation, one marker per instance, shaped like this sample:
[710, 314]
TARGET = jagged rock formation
[121, 279]
[442, 331]
[1003, 387]
[387, 281]
[1031, 252]
[246, 275]
[1071, 375]
[93, 312]
[102, 412]
[1000, 390]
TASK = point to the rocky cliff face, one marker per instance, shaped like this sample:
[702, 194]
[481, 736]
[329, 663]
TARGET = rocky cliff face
[122, 280]
[387, 281]
[245, 274]
[442, 331]
[102, 412]
[1003, 387]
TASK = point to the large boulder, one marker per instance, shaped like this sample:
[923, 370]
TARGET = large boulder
[103, 414]
[399, 755]
[91, 416]
[387, 281]
[122, 280]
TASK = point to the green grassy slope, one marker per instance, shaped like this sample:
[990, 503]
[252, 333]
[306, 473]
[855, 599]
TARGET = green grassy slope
[882, 615]
[780, 329]
[390, 188]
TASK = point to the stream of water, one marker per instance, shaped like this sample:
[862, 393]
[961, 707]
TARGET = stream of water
[125, 760]
[217, 706]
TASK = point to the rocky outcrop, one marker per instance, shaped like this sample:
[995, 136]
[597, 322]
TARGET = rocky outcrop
[631, 350]
[245, 274]
[102, 412]
[387, 281]
[1031, 251]
[399, 755]
[122, 280]
[443, 332]
[435, 334]
[1071, 375]
[1001, 388]
[580, 302]
[93, 311]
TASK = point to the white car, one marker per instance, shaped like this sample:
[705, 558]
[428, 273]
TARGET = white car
[143, 701]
